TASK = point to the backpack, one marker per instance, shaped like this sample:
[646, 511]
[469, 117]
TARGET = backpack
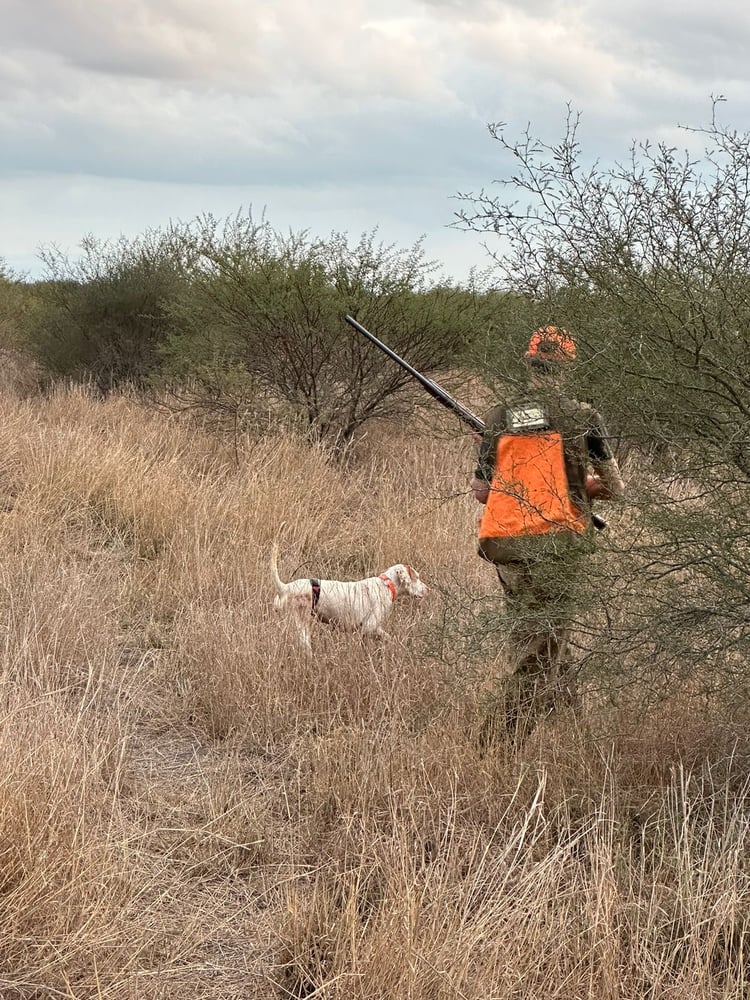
[529, 493]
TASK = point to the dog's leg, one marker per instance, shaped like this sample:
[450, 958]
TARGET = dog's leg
[302, 618]
[372, 627]
[305, 641]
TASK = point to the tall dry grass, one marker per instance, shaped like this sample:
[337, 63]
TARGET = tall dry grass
[189, 808]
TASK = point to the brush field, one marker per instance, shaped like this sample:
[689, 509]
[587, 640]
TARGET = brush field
[190, 809]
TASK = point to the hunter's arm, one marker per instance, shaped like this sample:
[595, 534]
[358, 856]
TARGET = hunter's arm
[607, 484]
[480, 483]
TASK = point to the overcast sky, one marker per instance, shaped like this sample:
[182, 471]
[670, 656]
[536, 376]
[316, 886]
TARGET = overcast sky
[119, 115]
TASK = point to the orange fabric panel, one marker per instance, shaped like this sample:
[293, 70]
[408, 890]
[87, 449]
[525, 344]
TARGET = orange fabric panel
[529, 491]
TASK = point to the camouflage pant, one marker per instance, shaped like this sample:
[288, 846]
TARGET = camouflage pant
[540, 600]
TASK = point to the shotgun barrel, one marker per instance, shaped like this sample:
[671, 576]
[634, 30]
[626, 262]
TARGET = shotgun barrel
[436, 391]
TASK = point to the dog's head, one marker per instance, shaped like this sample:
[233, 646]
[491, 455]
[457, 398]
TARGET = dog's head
[407, 581]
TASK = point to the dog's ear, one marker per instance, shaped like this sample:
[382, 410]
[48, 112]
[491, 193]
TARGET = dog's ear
[413, 575]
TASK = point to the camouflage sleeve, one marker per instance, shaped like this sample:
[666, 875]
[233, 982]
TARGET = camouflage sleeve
[597, 440]
[602, 457]
[493, 421]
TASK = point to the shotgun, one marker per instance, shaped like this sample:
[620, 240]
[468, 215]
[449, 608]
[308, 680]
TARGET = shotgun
[438, 393]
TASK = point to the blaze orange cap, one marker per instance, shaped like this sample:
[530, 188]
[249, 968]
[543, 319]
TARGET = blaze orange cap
[551, 345]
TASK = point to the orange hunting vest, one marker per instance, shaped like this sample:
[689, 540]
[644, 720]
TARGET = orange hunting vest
[529, 493]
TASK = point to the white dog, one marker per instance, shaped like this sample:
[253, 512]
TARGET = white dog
[356, 605]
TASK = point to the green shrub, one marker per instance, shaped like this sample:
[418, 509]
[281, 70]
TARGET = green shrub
[103, 315]
[272, 306]
[648, 263]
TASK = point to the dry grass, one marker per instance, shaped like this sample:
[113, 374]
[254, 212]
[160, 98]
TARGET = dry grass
[189, 809]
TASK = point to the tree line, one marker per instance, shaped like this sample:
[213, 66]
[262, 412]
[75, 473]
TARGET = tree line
[222, 311]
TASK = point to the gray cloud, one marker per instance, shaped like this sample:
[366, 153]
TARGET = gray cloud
[234, 143]
[168, 39]
[363, 103]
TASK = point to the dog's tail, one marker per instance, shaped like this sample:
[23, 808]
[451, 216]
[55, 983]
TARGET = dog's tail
[277, 581]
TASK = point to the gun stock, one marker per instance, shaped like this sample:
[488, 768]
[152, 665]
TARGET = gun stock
[438, 393]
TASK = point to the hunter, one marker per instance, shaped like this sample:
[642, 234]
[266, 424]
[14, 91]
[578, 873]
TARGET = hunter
[543, 458]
